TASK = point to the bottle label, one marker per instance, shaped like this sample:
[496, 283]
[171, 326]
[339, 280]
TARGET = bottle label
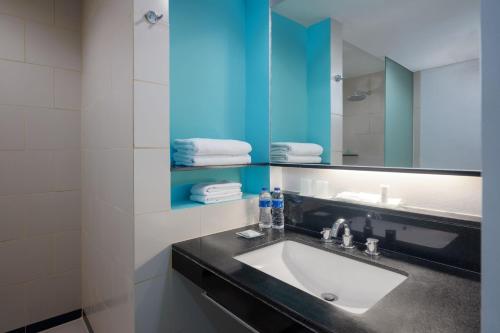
[265, 203]
[278, 203]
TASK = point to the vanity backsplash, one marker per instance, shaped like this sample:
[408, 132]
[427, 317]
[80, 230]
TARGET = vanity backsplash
[444, 240]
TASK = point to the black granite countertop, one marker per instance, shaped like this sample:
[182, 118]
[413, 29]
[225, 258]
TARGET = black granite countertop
[434, 297]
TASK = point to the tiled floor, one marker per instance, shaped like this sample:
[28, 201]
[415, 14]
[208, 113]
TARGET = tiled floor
[76, 326]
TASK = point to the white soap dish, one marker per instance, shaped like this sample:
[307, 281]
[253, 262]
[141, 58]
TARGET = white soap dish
[249, 234]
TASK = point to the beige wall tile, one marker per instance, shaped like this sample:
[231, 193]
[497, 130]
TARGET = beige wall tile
[67, 252]
[36, 222]
[52, 129]
[68, 13]
[66, 169]
[11, 38]
[11, 127]
[226, 216]
[12, 307]
[39, 214]
[52, 46]
[24, 172]
[68, 210]
[12, 217]
[151, 180]
[24, 260]
[121, 307]
[26, 84]
[117, 183]
[155, 232]
[67, 86]
[34, 10]
[108, 162]
[151, 115]
[51, 296]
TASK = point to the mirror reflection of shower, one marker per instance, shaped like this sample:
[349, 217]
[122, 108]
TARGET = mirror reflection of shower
[359, 95]
[363, 108]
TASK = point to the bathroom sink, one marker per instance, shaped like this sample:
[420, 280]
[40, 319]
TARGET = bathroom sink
[345, 283]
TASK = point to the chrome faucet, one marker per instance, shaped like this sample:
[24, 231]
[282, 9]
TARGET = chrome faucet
[336, 226]
[331, 234]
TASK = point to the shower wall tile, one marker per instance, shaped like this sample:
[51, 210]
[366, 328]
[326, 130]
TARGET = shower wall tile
[41, 11]
[12, 307]
[42, 304]
[66, 169]
[67, 252]
[52, 46]
[12, 32]
[11, 215]
[40, 120]
[107, 165]
[151, 115]
[151, 180]
[26, 84]
[52, 129]
[12, 131]
[67, 14]
[67, 86]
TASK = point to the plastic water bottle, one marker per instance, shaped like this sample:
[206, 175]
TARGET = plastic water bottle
[278, 205]
[265, 219]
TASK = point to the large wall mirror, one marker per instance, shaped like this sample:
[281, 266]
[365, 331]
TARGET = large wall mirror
[378, 83]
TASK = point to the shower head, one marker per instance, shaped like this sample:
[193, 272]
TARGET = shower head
[358, 96]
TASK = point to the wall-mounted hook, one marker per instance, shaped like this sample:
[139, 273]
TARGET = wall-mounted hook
[338, 78]
[152, 17]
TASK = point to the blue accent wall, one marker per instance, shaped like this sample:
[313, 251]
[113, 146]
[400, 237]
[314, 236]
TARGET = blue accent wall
[207, 69]
[318, 85]
[257, 126]
[300, 98]
[398, 138]
[289, 113]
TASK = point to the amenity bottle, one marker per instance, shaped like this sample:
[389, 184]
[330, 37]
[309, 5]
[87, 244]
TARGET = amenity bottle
[277, 209]
[265, 218]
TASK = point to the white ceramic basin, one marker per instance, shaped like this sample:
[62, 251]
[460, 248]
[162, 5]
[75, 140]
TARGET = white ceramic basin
[357, 286]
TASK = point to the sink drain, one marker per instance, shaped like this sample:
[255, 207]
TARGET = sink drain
[329, 297]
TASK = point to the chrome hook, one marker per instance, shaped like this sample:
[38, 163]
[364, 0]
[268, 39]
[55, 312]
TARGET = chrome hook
[152, 17]
[338, 78]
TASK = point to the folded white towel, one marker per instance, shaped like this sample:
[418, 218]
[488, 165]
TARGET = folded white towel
[214, 199]
[297, 148]
[181, 159]
[198, 146]
[216, 188]
[189, 152]
[288, 158]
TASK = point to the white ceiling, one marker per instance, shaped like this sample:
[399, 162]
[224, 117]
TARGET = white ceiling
[419, 34]
[358, 62]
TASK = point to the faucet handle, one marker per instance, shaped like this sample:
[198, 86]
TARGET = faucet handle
[347, 242]
[372, 247]
[326, 235]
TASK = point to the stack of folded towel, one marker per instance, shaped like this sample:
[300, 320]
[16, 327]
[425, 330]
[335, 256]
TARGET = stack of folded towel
[208, 193]
[201, 152]
[295, 152]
